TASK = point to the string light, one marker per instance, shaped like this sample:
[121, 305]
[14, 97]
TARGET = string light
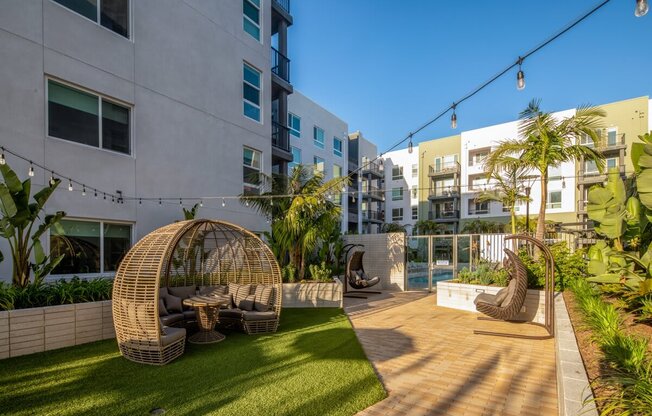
[70, 185]
[180, 201]
[2, 157]
[520, 76]
[95, 192]
[52, 181]
[410, 144]
[159, 201]
[247, 202]
[641, 8]
[201, 203]
[83, 190]
[454, 118]
[223, 203]
[31, 169]
[104, 195]
[140, 201]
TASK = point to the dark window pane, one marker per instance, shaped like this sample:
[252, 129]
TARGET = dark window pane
[115, 127]
[114, 15]
[72, 115]
[250, 11]
[251, 94]
[250, 176]
[87, 8]
[117, 241]
[79, 242]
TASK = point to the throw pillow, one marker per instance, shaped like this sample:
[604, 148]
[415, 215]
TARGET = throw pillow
[162, 310]
[162, 292]
[247, 304]
[262, 298]
[501, 296]
[183, 292]
[173, 303]
[213, 290]
[238, 292]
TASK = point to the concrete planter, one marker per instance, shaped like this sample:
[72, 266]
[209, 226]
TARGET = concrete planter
[461, 295]
[26, 331]
[312, 295]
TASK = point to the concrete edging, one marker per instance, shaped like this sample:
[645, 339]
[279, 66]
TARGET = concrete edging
[312, 295]
[572, 381]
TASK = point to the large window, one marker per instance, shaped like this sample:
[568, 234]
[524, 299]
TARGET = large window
[86, 118]
[397, 173]
[415, 213]
[296, 159]
[89, 246]
[318, 136]
[476, 208]
[319, 163]
[251, 92]
[251, 169]
[397, 194]
[294, 123]
[251, 18]
[112, 14]
[397, 214]
[554, 200]
[337, 146]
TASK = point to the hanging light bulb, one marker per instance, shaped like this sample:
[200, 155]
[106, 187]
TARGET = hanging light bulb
[104, 194]
[201, 203]
[159, 201]
[112, 199]
[223, 203]
[95, 191]
[140, 201]
[180, 201]
[454, 118]
[83, 190]
[52, 181]
[410, 144]
[271, 202]
[2, 157]
[247, 202]
[31, 169]
[520, 76]
[70, 185]
[642, 8]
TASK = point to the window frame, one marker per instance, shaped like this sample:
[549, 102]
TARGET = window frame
[291, 128]
[554, 205]
[400, 176]
[320, 144]
[260, 92]
[398, 217]
[98, 16]
[314, 164]
[294, 164]
[102, 222]
[258, 25]
[399, 196]
[415, 213]
[415, 170]
[100, 98]
[337, 152]
[260, 170]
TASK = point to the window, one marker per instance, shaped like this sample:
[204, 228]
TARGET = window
[397, 214]
[252, 166]
[318, 136]
[112, 14]
[319, 164]
[76, 116]
[415, 213]
[294, 123]
[612, 140]
[251, 18]
[478, 182]
[414, 192]
[590, 167]
[476, 208]
[611, 162]
[251, 92]
[89, 246]
[397, 194]
[477, 157]
[554, 200]
[415, 170]
[296, 159]
[554, 172]
[397, 173]
[337, 146]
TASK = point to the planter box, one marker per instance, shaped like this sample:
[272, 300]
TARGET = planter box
[26, 331]
[312, 295]
[461, 296]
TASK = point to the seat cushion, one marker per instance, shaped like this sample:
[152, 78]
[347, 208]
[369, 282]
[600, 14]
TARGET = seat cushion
[171, 319]
[258, 316]
[189, 315]
[183, 292]
[162, 310]
[247, 304]
[171, 335]
[501, 296]
[238, 292]
[173, 303]
[213, 290]
[230, 313]
[162, 292]
[486, 298]
[263, 297]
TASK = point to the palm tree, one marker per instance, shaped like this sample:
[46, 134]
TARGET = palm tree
[547, 141]
[393, 227]
[507, 189]
[300, 210]
[427, 227]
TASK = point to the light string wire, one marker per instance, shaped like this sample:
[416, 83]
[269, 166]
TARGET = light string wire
[121, 198]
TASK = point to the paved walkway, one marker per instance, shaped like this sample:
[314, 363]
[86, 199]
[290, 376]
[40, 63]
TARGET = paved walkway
[431, 363]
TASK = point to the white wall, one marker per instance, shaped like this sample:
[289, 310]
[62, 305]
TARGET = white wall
[404, 159]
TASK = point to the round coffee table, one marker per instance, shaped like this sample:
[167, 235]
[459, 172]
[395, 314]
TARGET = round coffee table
[207, 308]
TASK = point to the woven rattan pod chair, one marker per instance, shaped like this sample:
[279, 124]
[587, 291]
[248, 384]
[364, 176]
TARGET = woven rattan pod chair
[356, 275]
[185, 254]
[507, 303]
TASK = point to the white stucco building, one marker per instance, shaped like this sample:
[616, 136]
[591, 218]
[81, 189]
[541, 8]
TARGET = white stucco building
[401, 186]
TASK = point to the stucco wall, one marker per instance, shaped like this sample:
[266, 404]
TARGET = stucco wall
[384, 257]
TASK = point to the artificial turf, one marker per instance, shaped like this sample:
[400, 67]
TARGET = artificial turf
[313, 365]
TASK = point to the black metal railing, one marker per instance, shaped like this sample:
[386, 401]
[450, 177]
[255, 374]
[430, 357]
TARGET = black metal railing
[284, 4]
[445, 192]
[443, 215]
[373, 167]
[280, 136]
[280, 65]
[442, 168]
[372, 215]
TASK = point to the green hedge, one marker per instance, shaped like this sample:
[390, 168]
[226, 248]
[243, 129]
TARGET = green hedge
[60, 292]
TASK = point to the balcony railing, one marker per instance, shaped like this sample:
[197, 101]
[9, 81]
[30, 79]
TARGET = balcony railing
[444, 168]
[373, 191]
[280, 136]
[280, 65]
[581, 205]
[445, 192]
[373, 167]
[605, 142]
[443, 215]
[584, 175]
[284, 4]
[478, 211]
[372, 216]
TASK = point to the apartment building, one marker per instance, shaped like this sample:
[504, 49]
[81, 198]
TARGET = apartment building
[164, 102]
[319, 138]
[402, 186]
[368, 195]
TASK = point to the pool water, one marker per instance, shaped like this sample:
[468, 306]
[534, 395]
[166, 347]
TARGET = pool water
[420, 280]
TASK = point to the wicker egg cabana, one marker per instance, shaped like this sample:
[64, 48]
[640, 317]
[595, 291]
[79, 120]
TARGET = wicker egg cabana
[195, 253]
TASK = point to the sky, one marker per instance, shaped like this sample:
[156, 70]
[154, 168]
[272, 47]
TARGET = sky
[386, 67]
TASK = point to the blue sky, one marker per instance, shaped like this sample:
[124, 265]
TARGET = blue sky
[386, 66]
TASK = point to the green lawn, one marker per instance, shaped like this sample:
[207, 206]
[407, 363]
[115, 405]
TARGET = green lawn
[313, 365]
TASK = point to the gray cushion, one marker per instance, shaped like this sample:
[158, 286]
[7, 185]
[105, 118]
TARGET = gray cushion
[247, 304]
[230, 313]
[262, 297]
[171, 319]
[183, 292]
[173, 303]
[486, 298]
[162, 292]
[162, 311]
[213, 290]
[171, 335]
[511, 291]
[189, 315]
[258, 316]
[238, 292]
[501, 295]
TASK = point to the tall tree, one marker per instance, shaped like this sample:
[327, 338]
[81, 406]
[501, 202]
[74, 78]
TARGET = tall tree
[545, 140]
[507, 188]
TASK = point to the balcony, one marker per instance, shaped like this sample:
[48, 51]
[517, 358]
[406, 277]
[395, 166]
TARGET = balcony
[370, 191]
[353, 217]
[280, 13]
[593, 176]
[478, 211]
[283, 4]
[446, 192]
[581, 206]
[444, 216]
[448, 168]
[280, 65]
[373, 216]
[374, 169]
[613, 142]
[281, 142]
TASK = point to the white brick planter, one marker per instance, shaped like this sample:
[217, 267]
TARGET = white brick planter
[26, 331]
[461, 296]
[312, 295]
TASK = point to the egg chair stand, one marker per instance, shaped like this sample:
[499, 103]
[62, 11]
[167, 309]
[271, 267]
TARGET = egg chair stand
[356, 276]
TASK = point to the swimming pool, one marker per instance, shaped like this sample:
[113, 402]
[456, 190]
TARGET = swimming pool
[418, 281]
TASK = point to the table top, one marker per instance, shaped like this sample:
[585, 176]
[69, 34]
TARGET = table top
[201, 300]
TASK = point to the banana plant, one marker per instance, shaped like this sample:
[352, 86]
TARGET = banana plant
[608, 208]
[609, 266]
[642, 161]
[19, 217]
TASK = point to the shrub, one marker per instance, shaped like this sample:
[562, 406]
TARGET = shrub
[568, 266]
[320, 272]
[289, 273]
[60, 292]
